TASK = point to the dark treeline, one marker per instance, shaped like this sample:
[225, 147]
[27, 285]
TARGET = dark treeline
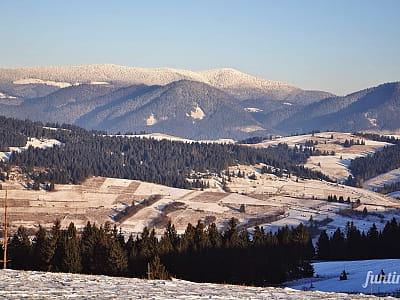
[38, 130]
[348, 143]
[370, 166]
[379, 138]
[388, 188]
[352, 244]
[300, 171]
[255, 139]
[92, 153]
[380, 162]
[8, 139]
[201, 254]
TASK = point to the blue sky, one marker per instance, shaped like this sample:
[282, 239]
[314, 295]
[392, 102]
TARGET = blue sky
[339, 46]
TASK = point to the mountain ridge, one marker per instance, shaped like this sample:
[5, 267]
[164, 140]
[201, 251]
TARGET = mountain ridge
[227, 79]
[209, 104]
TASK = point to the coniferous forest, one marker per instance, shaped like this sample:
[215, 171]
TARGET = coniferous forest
[92, 153]
[380, 162]
[352, 244]
[201, 254]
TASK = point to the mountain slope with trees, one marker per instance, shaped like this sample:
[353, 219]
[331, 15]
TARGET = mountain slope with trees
[375, 109]
[93, 153]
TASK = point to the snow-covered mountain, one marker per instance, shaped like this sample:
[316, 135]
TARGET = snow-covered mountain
[239, 84]
[219, 103]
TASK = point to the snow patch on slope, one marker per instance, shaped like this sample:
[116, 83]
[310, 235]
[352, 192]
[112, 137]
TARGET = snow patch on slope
[197, 113]
[5, 96]
[59, 84]
[253, 109]
[249, 128]
[372, 121]
[99, 82]
[387, 178]
[34, 142]
[151, 120]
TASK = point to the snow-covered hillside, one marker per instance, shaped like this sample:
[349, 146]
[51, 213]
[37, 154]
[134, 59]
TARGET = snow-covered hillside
[359, 274]
[40, 285]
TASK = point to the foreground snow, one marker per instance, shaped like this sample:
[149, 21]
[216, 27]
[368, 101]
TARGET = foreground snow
[40, 285]
[327, 277]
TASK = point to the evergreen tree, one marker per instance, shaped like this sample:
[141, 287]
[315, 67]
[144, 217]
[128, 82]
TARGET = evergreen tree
[323, 246]
[40, 250]
[231, 235]
[373, 242]
[338, 245]
[156, 270]
[214, 237]
[67, 257]
[258, 237]
[117, 259]
[55, 235]
[19, 250]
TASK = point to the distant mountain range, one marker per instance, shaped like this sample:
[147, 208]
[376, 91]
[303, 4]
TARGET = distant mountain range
[221, 103]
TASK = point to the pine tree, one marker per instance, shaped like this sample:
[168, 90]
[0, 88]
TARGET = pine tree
[188, 239]
[19, 250]
[214, 236]
[40, 250]
[354, 242]
[55, 234]
[258, 237]
[338, 245]
[323, 246]
[170, 240]
[67, 257]
[373, 242]
[200, 237]
[117, 259]
[231, 234]
[89, 240]
[156, 270]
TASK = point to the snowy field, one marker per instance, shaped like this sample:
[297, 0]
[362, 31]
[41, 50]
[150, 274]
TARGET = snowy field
[39, 285]
[163, 136]
[327, 274]
[335, 166]
[383, 179]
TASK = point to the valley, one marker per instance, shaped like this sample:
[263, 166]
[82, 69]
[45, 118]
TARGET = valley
[266, 199]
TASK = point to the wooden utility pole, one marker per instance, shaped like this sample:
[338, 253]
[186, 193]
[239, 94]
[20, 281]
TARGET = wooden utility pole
[5, 242]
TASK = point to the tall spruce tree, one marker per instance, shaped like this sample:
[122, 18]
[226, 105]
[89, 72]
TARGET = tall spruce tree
[40, 250]
[20, 249]
[323, 246]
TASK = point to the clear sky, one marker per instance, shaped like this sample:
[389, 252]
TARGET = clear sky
[335, 45]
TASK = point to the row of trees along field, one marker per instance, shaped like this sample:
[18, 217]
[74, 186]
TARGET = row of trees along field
[93, 153]
[380, 162]
[201, 254]
[352, 244]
